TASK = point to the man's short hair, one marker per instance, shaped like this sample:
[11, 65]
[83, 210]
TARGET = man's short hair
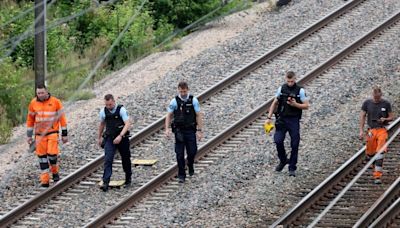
[183, 85]
[41, 86]
[376, 89]
[290, 75]
[108, 97]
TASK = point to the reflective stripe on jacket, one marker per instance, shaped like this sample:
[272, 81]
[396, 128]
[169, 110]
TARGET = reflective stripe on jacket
[46, 116]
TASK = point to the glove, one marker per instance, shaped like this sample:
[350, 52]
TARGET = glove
[32, 147]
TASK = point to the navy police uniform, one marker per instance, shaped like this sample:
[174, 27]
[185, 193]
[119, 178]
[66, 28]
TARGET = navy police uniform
[288, 120]
[114, 121]
[184, 127]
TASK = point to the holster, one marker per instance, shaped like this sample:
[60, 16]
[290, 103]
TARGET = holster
[179, 135]
[103, 142]
[173, 127]
[279, 124]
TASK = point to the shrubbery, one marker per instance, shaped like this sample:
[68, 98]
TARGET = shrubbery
[73, 48]
[14, 95]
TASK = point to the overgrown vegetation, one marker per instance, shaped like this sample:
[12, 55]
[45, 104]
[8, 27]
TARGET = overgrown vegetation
[74, 47]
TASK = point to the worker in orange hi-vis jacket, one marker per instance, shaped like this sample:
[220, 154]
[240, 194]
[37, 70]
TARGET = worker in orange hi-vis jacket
[45, 117]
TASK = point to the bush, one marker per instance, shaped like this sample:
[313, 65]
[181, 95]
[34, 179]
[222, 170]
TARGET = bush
[15, 94]
[182, 13]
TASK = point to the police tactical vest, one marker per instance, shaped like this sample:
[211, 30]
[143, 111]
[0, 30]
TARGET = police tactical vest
[284, 109]
[114, 122]
[184, 114]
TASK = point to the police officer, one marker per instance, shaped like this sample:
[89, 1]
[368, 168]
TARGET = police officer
[116, 136]
[187, 123]
[379, 113]
[290, 100]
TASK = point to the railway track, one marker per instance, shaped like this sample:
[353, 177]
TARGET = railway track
[391, 216]
[77, 186]
[224, 143]
[349, 209]
[385, 212]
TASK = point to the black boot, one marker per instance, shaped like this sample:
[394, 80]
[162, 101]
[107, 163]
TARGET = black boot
[104, 187]
[56, 177]
[191, 170]
[128, 181]
[280, 166]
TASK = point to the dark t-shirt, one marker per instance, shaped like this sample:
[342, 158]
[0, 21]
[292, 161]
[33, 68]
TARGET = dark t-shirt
[375, 111]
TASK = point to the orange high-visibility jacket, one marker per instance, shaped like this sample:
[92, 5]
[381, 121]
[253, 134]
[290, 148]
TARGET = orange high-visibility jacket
[46, 116]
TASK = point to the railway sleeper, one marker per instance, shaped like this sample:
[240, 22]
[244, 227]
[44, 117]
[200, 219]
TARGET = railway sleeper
[166, 190]
[334, 224]
[115, 226]
[158, 198]
[345, 212]
[123, 223]
[213, 158]
[342, 217]
[127, 218]
[218, 155]
[27, 223]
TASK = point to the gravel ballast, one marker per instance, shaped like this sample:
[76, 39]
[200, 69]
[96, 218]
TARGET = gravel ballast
[238, 176]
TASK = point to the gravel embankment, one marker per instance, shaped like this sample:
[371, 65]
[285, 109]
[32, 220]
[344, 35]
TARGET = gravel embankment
[199, 71]
[246, 175]
[243, 189]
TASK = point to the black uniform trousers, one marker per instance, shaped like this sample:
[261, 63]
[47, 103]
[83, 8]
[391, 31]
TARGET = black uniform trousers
[109, 152]
[185, 139]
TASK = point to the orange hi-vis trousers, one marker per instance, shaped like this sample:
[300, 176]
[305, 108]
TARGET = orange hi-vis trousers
[47, 151]
[376, 139]
[47, 145]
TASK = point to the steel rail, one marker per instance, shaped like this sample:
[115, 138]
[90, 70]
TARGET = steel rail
[46, 195]
[151, 129]
[388, 215]
[319, 191]
[332, 180]
[353, 180]
[219, 139]
[385, 200]
[157, 125]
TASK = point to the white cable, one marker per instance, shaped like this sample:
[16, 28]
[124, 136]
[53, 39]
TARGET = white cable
[20, 38]
[115, 43]
[171, 36]
[29, 32]
[20, 15]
